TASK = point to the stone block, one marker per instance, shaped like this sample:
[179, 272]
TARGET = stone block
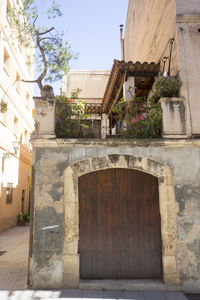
[71, 247]
[50, 276]
[173, 117]
[169, 246]
[169, 264]
[70, 193]
[171, 279]
[44, 117]
[71, 270]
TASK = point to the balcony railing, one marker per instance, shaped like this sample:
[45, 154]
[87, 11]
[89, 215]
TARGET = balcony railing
[124, 120]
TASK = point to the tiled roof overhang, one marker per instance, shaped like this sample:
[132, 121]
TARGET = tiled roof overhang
[120, 71]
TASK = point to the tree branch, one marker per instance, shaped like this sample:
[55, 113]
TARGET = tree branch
[30, 81]
[48, 38]
[44, 72]
[47, 31]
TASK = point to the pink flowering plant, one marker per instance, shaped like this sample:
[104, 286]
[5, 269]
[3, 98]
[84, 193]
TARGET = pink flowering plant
[142, 120]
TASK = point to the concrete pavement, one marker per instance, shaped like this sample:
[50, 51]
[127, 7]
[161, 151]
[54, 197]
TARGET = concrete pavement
[13, 276]
[14, 262]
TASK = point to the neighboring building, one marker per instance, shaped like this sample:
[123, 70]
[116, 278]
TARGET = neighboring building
[16, 122]
[125, 208]
[92, 85]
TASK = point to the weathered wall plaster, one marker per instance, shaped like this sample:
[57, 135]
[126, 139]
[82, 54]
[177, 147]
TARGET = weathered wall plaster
[59, 163]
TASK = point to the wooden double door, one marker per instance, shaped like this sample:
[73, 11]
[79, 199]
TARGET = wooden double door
[119, 225]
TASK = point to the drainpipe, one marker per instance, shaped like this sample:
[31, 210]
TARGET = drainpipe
[122, 41]
[171, 41]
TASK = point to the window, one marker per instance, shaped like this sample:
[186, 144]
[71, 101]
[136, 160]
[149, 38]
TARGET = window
[27, 101]
[6, 61]
[9, 193]
[3, 161]
[17, 83]
[23, 201]
[8, 7]
[26, 137]
[33, 114]
[16, 126]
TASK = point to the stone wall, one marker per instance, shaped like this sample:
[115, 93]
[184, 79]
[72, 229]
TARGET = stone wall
[188, 33]
[57, 164]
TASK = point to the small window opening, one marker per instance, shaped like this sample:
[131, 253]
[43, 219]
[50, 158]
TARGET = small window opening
[9, 193]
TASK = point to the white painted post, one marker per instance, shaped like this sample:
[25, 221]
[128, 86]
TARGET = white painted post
[45, 114]
[129, 89]
[104, 125]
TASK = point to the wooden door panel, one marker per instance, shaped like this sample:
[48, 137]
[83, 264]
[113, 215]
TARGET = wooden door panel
[140, 240]
[98, 242]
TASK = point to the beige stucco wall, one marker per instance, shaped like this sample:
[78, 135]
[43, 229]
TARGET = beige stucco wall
[17, 122]
[149, 26]
[188, 30]
[91, 83]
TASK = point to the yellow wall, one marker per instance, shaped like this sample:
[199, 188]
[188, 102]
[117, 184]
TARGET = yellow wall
[17, 122]
[149, 26]
[9, 212]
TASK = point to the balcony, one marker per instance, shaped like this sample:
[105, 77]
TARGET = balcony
[124, 120]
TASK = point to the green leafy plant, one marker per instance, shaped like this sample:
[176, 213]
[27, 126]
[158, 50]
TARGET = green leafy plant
[145, 127]
[3, 106]
[70, 116]
[23, 218]
[166, 87]
[139, 118]
[52, 53]
[120, 109]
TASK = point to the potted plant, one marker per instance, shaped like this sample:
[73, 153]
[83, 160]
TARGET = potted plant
[23, 219]
[165, 87]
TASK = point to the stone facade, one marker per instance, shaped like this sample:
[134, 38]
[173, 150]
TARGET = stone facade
[54, 261]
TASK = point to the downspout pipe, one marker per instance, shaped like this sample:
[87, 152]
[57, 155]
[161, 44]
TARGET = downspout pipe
[122, 41]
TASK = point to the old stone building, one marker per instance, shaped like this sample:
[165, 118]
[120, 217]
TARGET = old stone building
[125, 209]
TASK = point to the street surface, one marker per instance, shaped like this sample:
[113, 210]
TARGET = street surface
[13, 276]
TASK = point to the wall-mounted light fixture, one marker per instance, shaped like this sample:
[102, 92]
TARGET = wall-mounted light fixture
[16, 145]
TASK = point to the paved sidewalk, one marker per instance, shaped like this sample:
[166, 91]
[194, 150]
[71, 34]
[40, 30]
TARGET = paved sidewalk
[14, 262]
[13, 276]
[85, 294]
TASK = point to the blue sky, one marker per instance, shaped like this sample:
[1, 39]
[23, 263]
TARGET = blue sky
[92, 29]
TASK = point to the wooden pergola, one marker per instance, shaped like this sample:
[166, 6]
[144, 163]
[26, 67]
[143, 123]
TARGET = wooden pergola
[144, 74]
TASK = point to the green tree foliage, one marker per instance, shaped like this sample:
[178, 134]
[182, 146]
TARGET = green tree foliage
[70, 116]
[52, 53]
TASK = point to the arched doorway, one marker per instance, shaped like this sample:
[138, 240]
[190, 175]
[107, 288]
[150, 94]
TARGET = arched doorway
[167, 205]
[119, 225]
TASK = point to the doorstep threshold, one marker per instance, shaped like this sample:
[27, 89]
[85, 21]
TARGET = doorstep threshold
[126, 285]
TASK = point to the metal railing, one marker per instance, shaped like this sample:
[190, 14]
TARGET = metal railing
[124, 120]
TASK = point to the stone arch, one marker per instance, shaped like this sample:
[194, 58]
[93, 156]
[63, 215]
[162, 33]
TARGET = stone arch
[167, 203]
